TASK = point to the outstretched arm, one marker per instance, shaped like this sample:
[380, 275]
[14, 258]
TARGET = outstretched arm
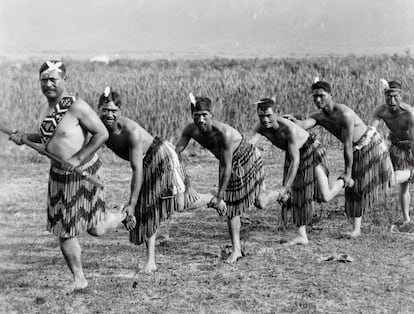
[256, 135]
[304, 124]
[411, 131]
[225, 160]
[185, 137]
[347, 136]
[376, 118]
[136, 162]
[294, 156]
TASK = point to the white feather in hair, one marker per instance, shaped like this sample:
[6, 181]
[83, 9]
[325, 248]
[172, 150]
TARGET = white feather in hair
[107, 90]
[192, 98]
[384, 85]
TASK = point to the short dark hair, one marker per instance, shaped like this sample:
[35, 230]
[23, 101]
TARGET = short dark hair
[322, 85]
[265, 103]
[113, 96]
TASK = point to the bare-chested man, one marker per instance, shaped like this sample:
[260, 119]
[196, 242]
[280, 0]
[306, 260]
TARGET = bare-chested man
[365, 153]
[399, 118]
[71, 131]
[159, 185]
[240, 168]
[305, 178]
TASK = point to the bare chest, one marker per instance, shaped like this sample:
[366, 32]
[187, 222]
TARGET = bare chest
[119, 145]
[213, 143]
[398, 125]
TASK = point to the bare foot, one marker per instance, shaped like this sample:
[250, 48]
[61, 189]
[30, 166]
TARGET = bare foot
[149, 268]
[352, 235]
[78, 285]
[234, 257]
[350, 183]
[261, 201]
[202, 201]
[297, 241]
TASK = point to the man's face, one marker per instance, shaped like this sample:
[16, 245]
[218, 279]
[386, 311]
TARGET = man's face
[202, 120]
[321, 98]
[265, 117]
[393, 99]
[52, 84]
[108, 113]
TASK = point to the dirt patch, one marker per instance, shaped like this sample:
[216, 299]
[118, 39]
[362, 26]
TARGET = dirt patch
[192, 275]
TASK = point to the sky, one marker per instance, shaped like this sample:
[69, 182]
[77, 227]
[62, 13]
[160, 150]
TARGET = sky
[205, 28]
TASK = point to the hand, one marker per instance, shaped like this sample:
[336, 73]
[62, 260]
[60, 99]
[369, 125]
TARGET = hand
[348, 181]
[129, 209]
[283, 197]
[70, 164]
[219, 205]
[289, 117]
[130, 222]
[16, 137]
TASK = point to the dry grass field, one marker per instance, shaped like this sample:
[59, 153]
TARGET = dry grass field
[192, 277]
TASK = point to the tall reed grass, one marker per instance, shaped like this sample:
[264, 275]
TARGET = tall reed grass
[156, 93]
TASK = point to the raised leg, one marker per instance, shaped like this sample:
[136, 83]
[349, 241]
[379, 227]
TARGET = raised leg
[327, 192]
[111, 222]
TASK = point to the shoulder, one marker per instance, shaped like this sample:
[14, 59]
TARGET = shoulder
[379, 111]
[257, 128]
[227, 130]
[318, 115]
[80, 106]
[407, 107]
[346, 111]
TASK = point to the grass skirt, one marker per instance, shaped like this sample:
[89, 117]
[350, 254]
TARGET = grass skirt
[372, 172]
[400, 153]
[246, 180]
[305, 189]
[163, 181]
[74, 204]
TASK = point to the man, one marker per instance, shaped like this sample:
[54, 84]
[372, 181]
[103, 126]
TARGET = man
[240, 167]
[159, 184]
[71, 131]
[399, 118]
[365, 153]
[305, 171]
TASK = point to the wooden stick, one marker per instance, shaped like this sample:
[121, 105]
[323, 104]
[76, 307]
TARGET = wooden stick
[91, 178]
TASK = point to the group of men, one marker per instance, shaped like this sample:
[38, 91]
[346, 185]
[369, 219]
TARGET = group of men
[72, 131]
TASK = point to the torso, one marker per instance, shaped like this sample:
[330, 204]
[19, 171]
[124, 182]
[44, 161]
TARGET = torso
[120, 140]
[214, 140]
[334, 122]
[68, 138]
[279, 136]
[397, 122]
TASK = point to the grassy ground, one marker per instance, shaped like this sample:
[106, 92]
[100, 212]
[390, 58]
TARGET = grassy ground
[192, 276]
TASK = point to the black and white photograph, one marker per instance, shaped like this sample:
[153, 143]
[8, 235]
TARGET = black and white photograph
[222, 156]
